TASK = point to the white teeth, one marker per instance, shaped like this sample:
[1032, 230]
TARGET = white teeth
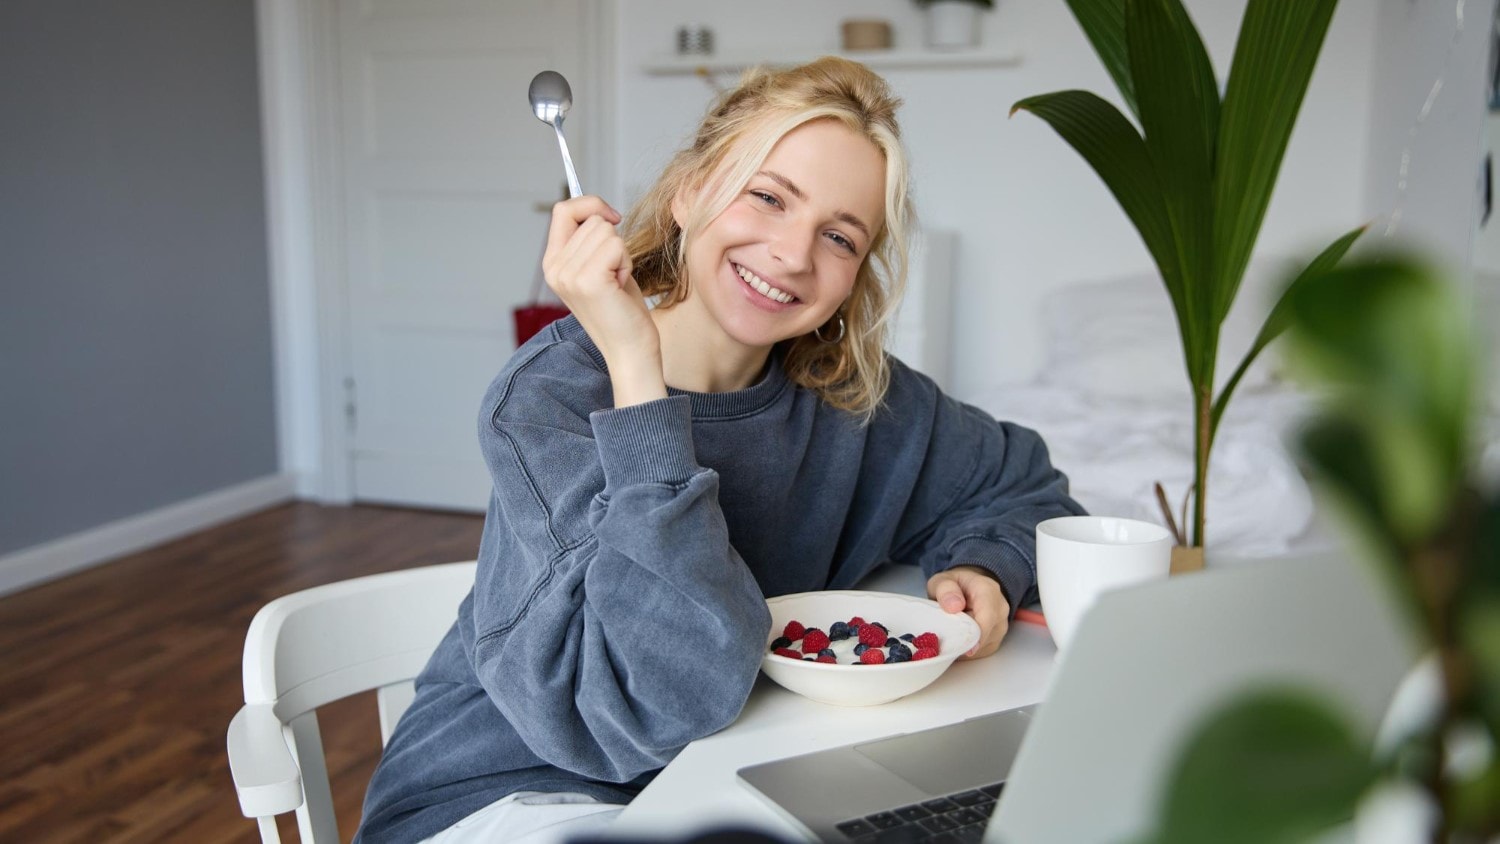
[764, 289]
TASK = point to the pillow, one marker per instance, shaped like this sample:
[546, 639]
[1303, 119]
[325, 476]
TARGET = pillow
[1118, 338]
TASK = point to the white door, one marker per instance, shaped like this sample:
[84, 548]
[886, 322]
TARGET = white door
[444, 167]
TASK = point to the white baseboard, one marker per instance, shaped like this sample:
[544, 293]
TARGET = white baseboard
[40, 563]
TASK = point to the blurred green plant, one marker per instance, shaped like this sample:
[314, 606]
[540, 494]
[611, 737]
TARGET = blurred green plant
[1197, 180]
[1394, 348]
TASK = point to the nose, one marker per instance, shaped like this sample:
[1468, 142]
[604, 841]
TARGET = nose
[792, 247]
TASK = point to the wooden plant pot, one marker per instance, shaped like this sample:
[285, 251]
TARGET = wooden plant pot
[1186, 559]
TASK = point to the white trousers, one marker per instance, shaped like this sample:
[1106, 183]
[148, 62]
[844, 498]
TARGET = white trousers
[531, 817]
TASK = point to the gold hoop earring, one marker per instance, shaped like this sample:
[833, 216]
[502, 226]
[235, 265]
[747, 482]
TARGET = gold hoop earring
[818, 333]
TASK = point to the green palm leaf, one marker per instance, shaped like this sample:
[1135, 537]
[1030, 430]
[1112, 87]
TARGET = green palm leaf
[1103, 22]
[1281, 317]
[1179, 111]
[1273, 63]
[1111, 145]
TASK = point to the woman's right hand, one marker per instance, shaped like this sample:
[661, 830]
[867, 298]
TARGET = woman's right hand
[587, 265]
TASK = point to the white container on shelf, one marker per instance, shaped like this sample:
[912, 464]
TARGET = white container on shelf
[952, 24]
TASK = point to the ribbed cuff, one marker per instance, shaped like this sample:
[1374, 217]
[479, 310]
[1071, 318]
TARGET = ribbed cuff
[1016, 572]
[646, 443]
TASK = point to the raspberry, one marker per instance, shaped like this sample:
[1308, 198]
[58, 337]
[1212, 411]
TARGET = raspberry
[927, 640]
[856, 622]
[814, 640]
[788, 653]
[871, 635]
[881, 626]
[873, 656]
[794, 630]
[828, 657]
[924, 653]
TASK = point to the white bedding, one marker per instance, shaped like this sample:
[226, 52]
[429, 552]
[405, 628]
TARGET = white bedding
[1114, 449]
[1112, 403]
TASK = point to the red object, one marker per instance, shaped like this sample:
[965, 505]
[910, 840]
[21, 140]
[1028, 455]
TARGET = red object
[1031, 617]
[794, 630]
[534, 317]
[922, 653]
[856, 620]
[873, 656]
[927, 640]
[814, 641]
[788, 653]
[872, 636]
[827, 658]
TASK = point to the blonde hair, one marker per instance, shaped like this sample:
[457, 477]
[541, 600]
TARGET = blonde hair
[736, 136]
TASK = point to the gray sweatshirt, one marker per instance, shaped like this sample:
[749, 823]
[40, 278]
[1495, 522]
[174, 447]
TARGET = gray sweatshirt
[618, 612]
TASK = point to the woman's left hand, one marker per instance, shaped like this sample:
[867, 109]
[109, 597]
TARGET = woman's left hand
[973, 590]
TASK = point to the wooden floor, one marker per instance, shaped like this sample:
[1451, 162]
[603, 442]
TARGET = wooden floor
[117, 684]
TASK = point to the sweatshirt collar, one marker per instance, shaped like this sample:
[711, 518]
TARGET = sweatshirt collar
[746, 402]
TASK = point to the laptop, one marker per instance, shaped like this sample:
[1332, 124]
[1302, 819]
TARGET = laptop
[1089, 763]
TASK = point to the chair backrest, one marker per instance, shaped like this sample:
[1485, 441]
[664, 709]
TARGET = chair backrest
[322, 644]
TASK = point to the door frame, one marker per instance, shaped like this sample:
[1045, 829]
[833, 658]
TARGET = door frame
[301, 138]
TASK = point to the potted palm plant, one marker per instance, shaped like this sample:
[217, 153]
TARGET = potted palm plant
[1196, 177]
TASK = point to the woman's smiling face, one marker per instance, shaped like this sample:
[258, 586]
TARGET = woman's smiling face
[780, 260]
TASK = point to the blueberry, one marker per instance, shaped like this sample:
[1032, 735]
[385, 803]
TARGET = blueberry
[828, 652]
[838, 630]
[860, 648]
[898, 654]
[907, 637]
[781, 642]
[890, 641]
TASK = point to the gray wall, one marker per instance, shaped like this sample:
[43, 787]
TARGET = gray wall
[135, 338]
[1417, 45]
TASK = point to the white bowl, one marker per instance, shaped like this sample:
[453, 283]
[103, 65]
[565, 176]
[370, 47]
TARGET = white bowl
[865, 685]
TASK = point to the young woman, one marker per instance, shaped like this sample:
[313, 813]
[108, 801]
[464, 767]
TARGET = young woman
[659, 471]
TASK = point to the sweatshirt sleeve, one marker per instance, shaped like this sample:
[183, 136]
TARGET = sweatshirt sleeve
[613, 623]
[982, 488]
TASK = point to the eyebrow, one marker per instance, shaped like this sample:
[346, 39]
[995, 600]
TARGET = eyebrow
[792, 189]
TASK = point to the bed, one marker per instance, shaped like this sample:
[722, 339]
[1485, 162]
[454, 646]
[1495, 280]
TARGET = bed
[1112, 402]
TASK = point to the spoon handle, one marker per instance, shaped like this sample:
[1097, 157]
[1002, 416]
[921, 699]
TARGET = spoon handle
[573, 189]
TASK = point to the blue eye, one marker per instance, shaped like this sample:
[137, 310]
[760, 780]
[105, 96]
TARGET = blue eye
[842, 241]
[766, 198]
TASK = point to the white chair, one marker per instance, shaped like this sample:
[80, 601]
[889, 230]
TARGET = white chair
[317, 646]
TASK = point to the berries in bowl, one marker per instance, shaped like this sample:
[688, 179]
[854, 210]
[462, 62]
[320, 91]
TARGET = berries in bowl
[824, 646]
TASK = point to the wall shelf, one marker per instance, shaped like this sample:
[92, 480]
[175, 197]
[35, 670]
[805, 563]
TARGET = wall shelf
[674, 65]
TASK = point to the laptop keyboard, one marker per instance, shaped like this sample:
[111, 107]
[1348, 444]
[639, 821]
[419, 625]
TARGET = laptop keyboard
[956, 819]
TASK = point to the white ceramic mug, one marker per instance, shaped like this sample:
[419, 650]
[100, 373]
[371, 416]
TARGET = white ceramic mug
[1078, 558]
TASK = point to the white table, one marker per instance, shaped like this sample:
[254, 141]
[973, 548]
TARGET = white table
[699, 788]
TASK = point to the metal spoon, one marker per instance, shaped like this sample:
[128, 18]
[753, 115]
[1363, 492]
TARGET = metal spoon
[550, 100]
